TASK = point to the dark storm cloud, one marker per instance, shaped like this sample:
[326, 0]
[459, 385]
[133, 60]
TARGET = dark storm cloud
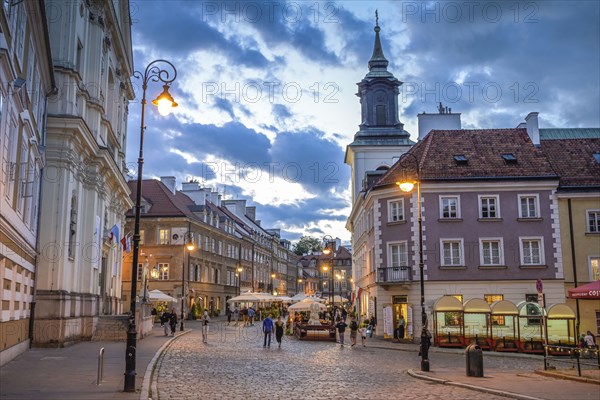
[279, 22]
[307, 157]
[186, 30]
[519, 57]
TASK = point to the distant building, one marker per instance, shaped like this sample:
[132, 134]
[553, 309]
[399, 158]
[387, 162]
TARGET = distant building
[226, 237]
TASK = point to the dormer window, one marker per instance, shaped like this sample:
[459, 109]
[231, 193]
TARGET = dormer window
[461, 159]
[509, 158]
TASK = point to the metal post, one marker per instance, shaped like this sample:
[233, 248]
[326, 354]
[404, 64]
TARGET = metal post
[154, 73]
[424, 334]
[100, 374]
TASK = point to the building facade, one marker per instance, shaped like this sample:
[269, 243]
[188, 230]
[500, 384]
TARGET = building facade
[575, 156]
[226, 238]
[27, 80]
[84, 191]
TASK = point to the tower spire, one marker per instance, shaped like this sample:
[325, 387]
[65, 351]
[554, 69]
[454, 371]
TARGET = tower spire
[377, 60]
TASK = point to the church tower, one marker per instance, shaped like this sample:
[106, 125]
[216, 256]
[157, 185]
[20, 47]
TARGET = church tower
[381, 138]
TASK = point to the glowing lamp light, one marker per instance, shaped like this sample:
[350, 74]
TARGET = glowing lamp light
[406, 186]
[165, 102]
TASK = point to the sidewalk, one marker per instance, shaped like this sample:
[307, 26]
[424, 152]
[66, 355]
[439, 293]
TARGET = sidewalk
[71, 373]
[518, 384]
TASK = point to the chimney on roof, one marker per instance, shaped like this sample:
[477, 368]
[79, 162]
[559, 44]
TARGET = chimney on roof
[169, 182]
[532, 126]
[193, 190]
[251, 212]
[444, 119]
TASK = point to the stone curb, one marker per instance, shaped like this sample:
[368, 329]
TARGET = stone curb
[471, 387]
[148, 382]
[568, 377]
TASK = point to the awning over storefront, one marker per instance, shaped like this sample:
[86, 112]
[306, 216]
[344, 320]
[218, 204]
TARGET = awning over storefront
[589, 291]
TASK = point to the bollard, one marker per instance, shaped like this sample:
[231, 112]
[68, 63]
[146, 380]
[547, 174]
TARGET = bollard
[100, 374]
[474, 361]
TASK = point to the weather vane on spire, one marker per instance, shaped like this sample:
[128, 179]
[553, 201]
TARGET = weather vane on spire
[376, 18]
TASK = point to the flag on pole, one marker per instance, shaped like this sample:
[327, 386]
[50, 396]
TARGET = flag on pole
[114, 233]
[126, 243]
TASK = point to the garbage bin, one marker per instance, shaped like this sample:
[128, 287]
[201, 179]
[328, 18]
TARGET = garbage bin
[474, 358]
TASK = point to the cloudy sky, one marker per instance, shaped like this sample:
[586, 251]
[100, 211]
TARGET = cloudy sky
[266, 89]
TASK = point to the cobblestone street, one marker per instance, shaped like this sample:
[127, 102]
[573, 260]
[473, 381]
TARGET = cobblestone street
[234, 365]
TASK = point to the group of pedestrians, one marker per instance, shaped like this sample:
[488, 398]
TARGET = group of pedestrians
[169, 320]
[355, 330]
[268, 326]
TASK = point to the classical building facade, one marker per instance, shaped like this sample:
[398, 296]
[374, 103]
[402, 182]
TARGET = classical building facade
[575, 155]
[495, 207]
[26, 81]
[84, 191]
[226, 237]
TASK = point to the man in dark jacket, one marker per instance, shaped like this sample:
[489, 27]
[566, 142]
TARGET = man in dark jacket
[173, 321]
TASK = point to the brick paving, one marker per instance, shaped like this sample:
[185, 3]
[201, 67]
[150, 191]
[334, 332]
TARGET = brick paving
[234, 365]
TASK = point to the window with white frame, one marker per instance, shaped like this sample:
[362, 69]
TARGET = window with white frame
[489, 207]
[594, 268]
[593, 221]
[452, 252]
[449, 207]
[396, 210]
[163, 271]
[163, 236]
[532, 250]
[490, 250]
[529, 206]
[398, 254]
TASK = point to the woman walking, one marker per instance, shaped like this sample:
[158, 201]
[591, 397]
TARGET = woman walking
[204, 320]
[279, 330]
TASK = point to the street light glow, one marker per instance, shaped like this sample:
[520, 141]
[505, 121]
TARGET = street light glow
[165, 102]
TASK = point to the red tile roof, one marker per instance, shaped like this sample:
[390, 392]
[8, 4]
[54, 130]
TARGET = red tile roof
[164, 202]
[483, 149]
[573, 160]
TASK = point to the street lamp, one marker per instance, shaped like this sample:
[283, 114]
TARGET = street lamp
[407, 185]
[273, 281]
[327, 250]
[189, 245]
[240, 269]
[165, 103]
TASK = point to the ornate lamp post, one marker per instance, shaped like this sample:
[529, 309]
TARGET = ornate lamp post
[189, 245]
[165, 103]
[407, 185]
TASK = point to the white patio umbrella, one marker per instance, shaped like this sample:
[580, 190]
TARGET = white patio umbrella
[285, 299]
[305, 305]
[339, 299]
[252, 298]
[302, 296]
[157, 295]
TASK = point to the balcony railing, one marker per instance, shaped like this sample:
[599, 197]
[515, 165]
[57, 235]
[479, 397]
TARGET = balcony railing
[393, 274]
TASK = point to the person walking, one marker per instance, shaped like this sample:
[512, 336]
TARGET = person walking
[363, 334]
[590, 341]
[164, 321]
[173, 321]
[228, 313]
[372, 323]
[401, 325]
[251, 316]
[279, 324]
[353, 331]
[236, 314]
[341, 327]
[267, 328]
[205, 320]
